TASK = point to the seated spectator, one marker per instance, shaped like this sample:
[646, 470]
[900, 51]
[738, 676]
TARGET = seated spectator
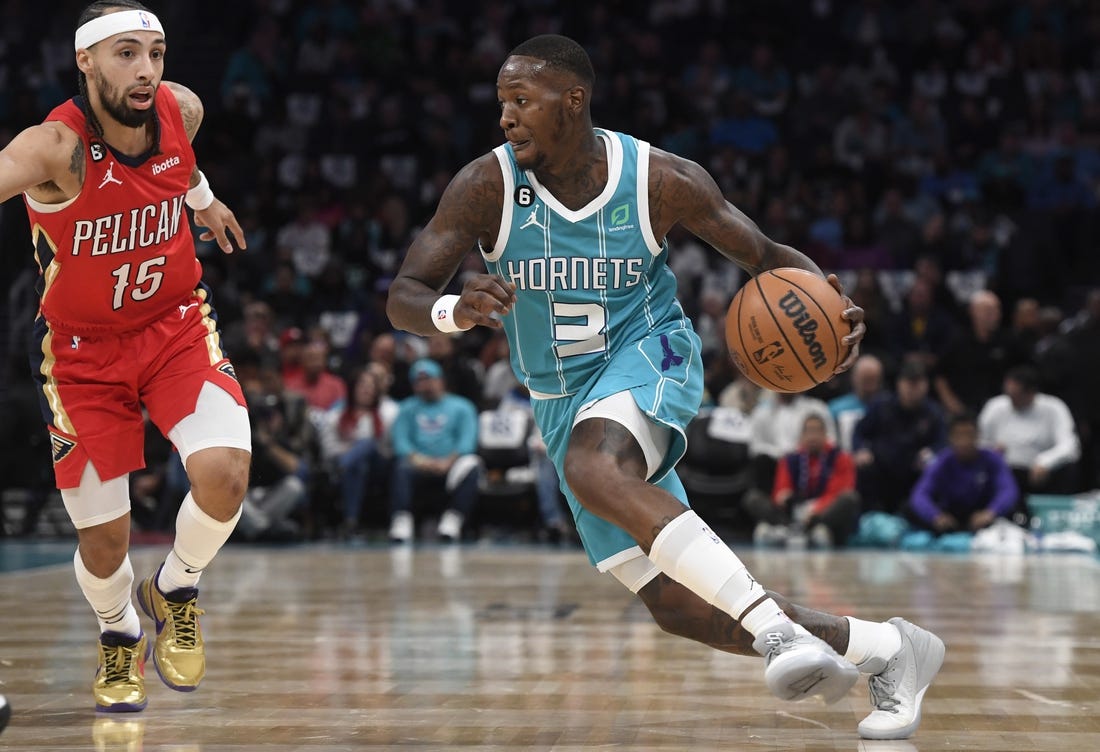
[284, 446]
[462, 374]
[973, 365]
[777, 422]
[814, 490]
[964, 487]
[1034, 432]
[434, 442]
[848, 409]
[322, 389]
[355, 442]
[898, 436]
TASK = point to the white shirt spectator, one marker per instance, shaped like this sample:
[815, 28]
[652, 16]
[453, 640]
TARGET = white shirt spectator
[777, 423]
[1040, 434]
[334, 442]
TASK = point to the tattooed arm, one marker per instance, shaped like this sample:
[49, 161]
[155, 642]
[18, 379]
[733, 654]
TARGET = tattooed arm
[682, 192]
[191, 111]
[468, 210]
[46, 161]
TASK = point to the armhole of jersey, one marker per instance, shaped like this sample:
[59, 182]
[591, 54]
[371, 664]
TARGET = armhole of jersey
[651, 242]
[501, 153]
[41, 208]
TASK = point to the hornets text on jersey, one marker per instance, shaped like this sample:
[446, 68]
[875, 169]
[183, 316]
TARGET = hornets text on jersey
[588, 281]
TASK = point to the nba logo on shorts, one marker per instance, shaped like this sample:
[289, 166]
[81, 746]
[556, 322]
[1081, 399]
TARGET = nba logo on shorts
[144, 20]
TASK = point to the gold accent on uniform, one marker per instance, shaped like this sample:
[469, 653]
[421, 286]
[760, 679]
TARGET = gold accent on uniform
[120, 678]
[61, 419]
[213, 339]
[179, 651]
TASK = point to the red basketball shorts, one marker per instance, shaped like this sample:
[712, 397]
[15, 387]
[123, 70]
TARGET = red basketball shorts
[93, 388]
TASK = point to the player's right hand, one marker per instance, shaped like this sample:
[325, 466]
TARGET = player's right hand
[485, 300]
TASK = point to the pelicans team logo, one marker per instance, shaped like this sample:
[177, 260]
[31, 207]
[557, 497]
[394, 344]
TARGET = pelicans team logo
[227, 369]
[61, 447]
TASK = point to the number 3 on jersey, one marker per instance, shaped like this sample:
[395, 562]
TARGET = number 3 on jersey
[583, 338]
[145, 283]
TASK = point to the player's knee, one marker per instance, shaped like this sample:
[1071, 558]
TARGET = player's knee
[104, 547]
[219, 473]
[590, 476]
[669, 612]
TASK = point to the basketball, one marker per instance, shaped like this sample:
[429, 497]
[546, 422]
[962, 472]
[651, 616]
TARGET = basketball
[784, 330]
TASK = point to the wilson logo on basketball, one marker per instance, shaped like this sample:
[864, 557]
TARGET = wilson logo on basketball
[805, 325]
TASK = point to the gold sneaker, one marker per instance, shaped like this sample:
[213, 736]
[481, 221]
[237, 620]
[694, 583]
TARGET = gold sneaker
[120, 680]
[179, 654]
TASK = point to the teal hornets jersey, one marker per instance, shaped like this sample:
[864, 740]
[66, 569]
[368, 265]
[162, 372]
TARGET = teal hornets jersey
[589, 282]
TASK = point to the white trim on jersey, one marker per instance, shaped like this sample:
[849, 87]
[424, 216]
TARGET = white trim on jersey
[651, 242]
[41, 208]
[614, 172]
[501, 153]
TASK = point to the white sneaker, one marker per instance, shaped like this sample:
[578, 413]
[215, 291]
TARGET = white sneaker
[821, 537]
[897, 690]
[767, 534]
[450, 525]
[799, 665]
[401, 527]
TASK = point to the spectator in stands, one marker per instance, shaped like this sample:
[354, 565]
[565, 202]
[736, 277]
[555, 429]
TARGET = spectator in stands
[974, 364]
[462, 374]
[284, 449]
[1034, 432]
[776, 423]
[896, 439]
[434, 443]
[847, 409]
[322, 389]
[921, 329]
[355, 442]
[964, 487]
[814, 491]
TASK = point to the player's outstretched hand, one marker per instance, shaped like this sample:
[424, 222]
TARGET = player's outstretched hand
[854, 315]
[219, 221]
[485, 299]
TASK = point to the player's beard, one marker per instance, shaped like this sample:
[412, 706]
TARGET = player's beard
[117, 105]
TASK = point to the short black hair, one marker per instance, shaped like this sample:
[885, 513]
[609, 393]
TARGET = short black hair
[1026, 376]
[559, 52]
[965, 418]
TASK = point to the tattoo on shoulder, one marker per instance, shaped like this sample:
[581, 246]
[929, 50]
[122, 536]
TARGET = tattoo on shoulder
[76, 161]
[190, 107]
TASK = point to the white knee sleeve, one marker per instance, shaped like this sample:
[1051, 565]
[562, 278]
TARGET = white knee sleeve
[94, 502]
[218, 421]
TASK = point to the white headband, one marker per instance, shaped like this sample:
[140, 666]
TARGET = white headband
[100, 28]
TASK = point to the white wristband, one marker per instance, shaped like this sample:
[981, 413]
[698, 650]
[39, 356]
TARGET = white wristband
[200, 197]
[443, 314]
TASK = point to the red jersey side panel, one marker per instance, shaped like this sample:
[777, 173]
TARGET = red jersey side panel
[120, 254]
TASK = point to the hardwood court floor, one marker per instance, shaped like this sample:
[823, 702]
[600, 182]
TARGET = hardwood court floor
[340, 648]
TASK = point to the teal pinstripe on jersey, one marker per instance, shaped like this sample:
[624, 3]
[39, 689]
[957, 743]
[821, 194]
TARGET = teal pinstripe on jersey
[589, 282]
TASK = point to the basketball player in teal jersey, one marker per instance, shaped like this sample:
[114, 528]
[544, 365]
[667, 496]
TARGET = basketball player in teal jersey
[571, 221]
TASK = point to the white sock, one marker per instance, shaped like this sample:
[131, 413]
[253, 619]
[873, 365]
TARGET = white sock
[871, 639]
[110, 597]
[690, 553]
[199, 537]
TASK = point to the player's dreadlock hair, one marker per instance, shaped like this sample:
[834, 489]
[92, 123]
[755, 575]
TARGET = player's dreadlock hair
[559, 52]
[95, 10]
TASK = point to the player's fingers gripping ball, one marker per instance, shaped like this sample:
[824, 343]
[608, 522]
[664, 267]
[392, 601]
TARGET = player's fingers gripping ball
[784, 330]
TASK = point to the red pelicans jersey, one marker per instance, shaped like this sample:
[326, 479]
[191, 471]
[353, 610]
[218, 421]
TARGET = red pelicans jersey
[119, 255]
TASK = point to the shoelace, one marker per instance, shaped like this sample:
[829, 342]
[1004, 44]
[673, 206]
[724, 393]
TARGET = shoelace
[882, 691]
[117, 662]
[185, 622]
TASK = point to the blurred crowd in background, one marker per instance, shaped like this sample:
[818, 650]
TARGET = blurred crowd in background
[942, 157]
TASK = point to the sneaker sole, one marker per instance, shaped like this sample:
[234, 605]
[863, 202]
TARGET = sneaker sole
[147, 608]
[798, 674]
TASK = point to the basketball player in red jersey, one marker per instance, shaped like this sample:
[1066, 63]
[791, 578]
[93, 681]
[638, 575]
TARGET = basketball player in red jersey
[125, 321]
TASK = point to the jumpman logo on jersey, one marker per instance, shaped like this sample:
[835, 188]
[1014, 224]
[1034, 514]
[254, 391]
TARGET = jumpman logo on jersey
[670, 358]
[110, 176]
[183, 308]
[533, 220]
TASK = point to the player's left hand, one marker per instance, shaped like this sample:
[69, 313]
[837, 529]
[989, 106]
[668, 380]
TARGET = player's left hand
[219, 221]
[854, 315]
